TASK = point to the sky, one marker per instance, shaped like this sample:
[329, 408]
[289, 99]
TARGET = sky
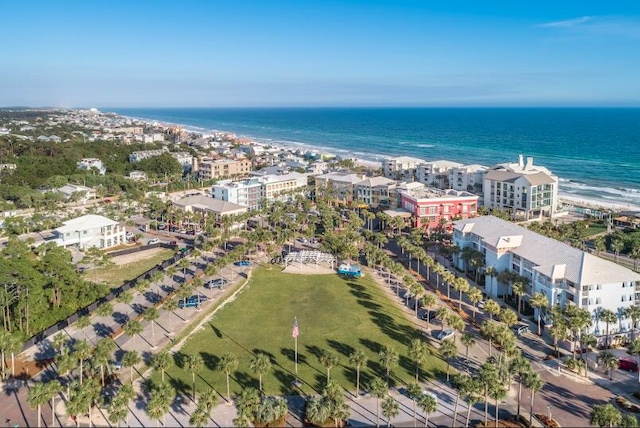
[270, 53]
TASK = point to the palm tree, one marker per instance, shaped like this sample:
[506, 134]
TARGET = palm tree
[498, 392]
[358, 358]
[390, 409]
[534, 382]
[609, 361]
[160, 402]
[102, 355]
[577, 320]
[448, 349]
[194, 364]
[260, 364]
[539, 301]
[133, 328]
[199, 417]
[521, 367]
[247, 403]
[418, 352]
[518, 291]
[467, 340]
[378, 388]
[82, 351]
[474, 295]
[428, 302]
[492, 308]
[605, 415]
[53, 388]
[36, 397]
[82, 323]
[151, 314]
[329, 360]
[130, 359]
[508, 317]
[608, 316]
[633, 312]
[457, 323]
[442, 314]
[472, 396]
[487, 376]
[461, 286]
[428, 404]
[388, 358]
[228, 363]
[492, 273]
[161, 362]
[414, 392]
[460, 382]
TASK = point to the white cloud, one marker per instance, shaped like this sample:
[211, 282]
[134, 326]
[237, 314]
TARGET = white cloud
[567, 23]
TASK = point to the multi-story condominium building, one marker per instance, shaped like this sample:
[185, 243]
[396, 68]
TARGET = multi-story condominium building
[401, 167]
[527, 191]
[376, 193]
[247, 193]
[92, 163]
[432, 208]
[341, 185]
[146, 154]
[209, 169]
[185, 159]
[90, 231]
[77, 192]
[436, 173]
[467, 177]
[283, 187]
[564, 274]
[255, 192]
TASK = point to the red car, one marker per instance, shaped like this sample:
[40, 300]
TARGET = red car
[628, 364]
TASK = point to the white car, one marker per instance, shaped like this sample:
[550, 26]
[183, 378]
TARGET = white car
[153, 241]
[129, 235]
[445, 334]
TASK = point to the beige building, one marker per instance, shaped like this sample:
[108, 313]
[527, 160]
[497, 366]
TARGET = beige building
[376, 192]
[209, 169]
[209, 206]
[341, 184]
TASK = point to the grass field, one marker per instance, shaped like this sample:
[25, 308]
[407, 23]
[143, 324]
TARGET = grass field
[116, 275]
[333, 314]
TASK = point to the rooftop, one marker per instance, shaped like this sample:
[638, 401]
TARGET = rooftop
[85, 222]
[546, 254]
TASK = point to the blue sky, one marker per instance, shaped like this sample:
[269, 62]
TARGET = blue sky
[320, 53]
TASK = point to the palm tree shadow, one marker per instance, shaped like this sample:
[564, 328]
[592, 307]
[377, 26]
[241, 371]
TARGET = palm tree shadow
[340, 347]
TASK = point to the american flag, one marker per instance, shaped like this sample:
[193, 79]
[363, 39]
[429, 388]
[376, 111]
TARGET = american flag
[295, 328]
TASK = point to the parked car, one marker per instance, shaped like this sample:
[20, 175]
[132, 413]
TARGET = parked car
[161, 226]
[191, 232]
[153, 241]
[173, 229]
[192, 301]
[173, 243]
[629, 364]
[243, 263]
[128, 235]
[480, 304]
[520, 329]
[216, 283]
[435, 397]
[303, 240]
[182, 231]
[116, 365]
[314, 240]
[444, 334]
[430, 315]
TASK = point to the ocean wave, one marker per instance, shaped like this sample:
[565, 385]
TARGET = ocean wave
[425, 146]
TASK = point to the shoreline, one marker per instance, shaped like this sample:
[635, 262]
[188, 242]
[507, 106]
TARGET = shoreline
[373, 160]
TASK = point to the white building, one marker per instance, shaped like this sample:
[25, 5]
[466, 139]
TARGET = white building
[436, 173]
[527, 191]
[401, 167]
[90, 231]
[146, 154]
[137, 175]
[468, 178]
[85, 193]
[185, 159]
[253, 193]
[209, 206]
[566, 275]
[92, 163]
[342, 185]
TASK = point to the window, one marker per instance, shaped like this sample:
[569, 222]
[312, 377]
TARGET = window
[598, 300]
[623, 298]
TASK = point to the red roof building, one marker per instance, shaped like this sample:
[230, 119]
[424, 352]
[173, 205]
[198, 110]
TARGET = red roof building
[429, 207]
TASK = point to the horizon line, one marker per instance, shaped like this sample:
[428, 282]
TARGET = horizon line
[332, 107]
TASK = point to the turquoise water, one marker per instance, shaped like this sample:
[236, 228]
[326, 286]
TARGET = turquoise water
[594, 151]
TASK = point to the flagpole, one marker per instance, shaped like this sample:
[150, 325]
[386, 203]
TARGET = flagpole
[296, 340]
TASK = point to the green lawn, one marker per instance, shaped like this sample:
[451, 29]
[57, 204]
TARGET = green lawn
[333, 314]
[116, 275]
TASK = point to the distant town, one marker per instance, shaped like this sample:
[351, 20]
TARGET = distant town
[113, 228]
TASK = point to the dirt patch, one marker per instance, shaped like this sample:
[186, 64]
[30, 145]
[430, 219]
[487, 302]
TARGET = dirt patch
[306, 269]
[135, 257]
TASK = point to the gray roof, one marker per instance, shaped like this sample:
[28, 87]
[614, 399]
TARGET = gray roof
[547, 254]
[209, 204]
[511, 177]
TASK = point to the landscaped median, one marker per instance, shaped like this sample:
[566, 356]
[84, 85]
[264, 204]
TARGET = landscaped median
[334, 314]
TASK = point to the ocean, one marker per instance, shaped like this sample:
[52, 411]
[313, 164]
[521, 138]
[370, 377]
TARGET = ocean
[595, 152]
